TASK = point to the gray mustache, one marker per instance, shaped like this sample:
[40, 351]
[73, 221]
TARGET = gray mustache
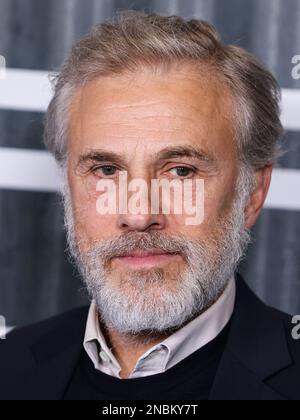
[125, 244]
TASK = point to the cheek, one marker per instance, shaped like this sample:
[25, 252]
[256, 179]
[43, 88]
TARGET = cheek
[219, 196]
[178, 226]
[216, 205]
[89, 224]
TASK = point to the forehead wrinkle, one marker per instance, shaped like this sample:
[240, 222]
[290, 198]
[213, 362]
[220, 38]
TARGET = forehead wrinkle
[132, 105]
[160, 118]
[213, 105]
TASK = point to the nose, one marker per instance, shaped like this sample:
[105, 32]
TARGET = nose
[140, 218]
[141, 222]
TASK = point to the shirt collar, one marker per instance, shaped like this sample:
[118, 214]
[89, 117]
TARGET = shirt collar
[203, 329]
[94, 335]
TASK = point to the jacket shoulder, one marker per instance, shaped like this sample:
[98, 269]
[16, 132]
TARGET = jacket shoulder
[289, 379]
[290, 327]
[25, 351]
[56, 328]
[33, 332]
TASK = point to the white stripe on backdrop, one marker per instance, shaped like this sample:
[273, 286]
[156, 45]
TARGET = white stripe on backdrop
[30, 90]
[25, 90]
[28, 170]
[4, 332]
[31, 170]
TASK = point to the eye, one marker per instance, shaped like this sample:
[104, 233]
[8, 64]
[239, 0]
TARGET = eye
[107, 170]
[181, 171]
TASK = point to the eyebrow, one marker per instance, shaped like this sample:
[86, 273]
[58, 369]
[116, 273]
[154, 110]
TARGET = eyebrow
[186, 151]
[98, 156]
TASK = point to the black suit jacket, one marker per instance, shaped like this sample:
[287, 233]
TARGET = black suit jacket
[261, 360]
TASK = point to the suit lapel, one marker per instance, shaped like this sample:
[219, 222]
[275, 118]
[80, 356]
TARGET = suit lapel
[55, 358]
[256, 350]
[234, 381]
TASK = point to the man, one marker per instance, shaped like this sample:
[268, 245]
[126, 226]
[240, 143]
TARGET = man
[160, 98]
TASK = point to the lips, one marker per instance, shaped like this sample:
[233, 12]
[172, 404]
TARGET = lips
[143, 254]
[152, 257]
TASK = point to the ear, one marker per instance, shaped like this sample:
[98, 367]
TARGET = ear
[258, 196]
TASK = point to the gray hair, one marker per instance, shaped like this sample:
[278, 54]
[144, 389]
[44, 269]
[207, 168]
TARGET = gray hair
[133, 39]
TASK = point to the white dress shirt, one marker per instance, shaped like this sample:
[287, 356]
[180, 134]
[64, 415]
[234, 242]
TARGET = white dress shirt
[194, 335]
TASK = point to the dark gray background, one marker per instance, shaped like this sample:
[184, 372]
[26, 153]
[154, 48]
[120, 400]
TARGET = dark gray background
[36, 280]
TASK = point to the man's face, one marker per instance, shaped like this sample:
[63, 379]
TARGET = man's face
[153, 126]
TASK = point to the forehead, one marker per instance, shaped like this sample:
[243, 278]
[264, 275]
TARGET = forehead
[154, 110]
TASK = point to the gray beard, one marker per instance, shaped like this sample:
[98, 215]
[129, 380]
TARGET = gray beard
[155, 301]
